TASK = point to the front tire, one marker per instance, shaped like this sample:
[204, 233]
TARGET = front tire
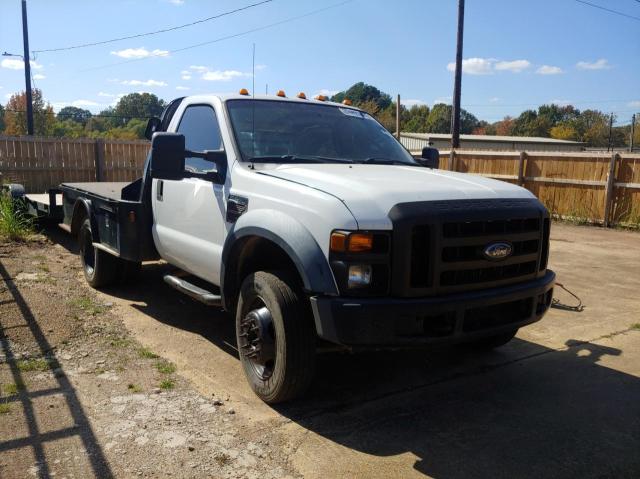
[100, 268]
[276, 337]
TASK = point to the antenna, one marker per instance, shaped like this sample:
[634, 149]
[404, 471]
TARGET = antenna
[253, 70]
[253, 105]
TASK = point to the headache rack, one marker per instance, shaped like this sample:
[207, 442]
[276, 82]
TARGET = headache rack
[439, 246]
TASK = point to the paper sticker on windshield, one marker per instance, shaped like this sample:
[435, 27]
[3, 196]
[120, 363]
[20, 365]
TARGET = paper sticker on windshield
[350, 112]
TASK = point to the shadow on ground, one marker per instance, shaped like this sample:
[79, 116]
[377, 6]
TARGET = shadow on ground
[522, 411]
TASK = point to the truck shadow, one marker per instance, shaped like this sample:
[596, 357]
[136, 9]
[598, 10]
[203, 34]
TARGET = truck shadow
[522, 411]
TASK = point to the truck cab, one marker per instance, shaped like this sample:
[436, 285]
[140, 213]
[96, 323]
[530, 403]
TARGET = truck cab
[310, 223]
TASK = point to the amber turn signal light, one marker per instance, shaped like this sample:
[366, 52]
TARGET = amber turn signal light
[342, 242]
[360, 242]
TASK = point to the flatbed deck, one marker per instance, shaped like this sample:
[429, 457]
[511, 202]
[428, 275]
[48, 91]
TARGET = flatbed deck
[108, 190]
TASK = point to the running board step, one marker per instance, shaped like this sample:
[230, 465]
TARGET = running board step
[202, 295]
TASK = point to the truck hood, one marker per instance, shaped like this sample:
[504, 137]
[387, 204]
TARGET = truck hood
[370, 191]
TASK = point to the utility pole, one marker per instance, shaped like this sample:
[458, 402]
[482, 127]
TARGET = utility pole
[398, 117]
[633, 131]
[609, 146]
[27, 68]
[455, 113]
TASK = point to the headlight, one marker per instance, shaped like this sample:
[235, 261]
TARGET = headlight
[359, 276]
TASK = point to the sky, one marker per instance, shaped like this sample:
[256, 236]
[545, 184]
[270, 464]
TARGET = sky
[518, 54]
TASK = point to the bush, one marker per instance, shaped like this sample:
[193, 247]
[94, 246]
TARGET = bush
[15, 223]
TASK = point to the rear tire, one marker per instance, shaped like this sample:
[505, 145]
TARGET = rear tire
[276, 336]
[493, 342]
[100, 268]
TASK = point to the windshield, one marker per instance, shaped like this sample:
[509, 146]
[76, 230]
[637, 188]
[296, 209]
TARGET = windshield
[285, 132]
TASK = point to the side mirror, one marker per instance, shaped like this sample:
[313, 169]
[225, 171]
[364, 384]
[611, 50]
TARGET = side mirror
[152, 126]
[430, 157]
[167, 156]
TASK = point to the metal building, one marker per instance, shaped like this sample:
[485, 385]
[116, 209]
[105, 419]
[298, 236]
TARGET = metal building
[442, 141]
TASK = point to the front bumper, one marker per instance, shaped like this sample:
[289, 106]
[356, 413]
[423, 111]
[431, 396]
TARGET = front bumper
[393, 322]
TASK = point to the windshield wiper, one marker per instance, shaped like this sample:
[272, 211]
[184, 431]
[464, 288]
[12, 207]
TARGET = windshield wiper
[296, 158]
[387, 161]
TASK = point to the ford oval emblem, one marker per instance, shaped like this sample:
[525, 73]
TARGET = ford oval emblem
[498, 251]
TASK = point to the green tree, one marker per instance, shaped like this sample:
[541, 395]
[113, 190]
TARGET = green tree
[74, 114]
[65, 128]
[361, 93]
[1, 118]
[136, 105]
[416, 121]
[565, 131]
[439, 120]
[15, 116]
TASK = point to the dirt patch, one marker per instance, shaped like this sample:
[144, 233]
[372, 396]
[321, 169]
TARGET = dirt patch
[79, 397]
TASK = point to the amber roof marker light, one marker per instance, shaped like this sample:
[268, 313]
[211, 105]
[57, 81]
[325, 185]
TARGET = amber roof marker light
[302, 95]
[244, 91]
[281, 93]
[320, 98]
[347, 102]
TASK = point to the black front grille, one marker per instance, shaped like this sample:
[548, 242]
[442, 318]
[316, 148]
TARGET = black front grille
[445, 251]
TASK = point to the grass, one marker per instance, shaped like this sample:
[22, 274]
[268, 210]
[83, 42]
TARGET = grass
[166, 367]
[222, 459]
[134, 388]
[120, 342]
[167, 384]
[34, 364]
[147, 354]
[88, 305]
[636, 326]
[5, 408]
[15, 224]
[11, 389]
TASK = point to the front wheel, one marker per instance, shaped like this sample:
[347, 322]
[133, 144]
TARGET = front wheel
[276, 336]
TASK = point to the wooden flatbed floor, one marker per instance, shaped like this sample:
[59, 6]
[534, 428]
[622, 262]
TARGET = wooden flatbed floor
[112, 191]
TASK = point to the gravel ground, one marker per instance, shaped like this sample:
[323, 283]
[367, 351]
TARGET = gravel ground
[81, 398]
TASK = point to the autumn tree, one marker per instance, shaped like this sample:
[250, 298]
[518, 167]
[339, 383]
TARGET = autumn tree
[75, 114]
[1, 118]
[15, 115]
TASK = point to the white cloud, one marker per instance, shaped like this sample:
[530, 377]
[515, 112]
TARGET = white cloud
[144, 83]
[198, 68]
[514, 66]
[81, 103]
[633, 104]
[260, 67]
[325, 92]
[409, 102]
[474, 66]
[549, 70]
[560, 102]
[601, 64]
[494, 99]
[108, 95]
[18, 64]
[39, 76]
[180, 87]
[7, 95]
[139, 53]
[443, 99]
[177, 2]
[223, 75]
[185, 75]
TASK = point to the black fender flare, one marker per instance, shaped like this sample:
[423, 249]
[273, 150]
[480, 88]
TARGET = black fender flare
[293, 238]
[83, 208]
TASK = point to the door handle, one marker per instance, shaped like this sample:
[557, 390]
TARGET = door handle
[160, 190]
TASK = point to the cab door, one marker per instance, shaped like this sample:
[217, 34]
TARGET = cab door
[189, 214]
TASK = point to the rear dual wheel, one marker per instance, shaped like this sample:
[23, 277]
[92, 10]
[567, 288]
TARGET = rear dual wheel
[101, 268]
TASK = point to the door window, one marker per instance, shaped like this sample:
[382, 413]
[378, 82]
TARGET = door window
[201, 131]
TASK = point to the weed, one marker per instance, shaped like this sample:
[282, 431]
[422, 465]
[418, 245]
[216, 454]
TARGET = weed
[100, 371]
[44, 279]
[12, 389]
[15, 224]
[167, 384]
[4, 408]
[636, 326]
[34, 364]
[134, 388]
[147, 353]
[88, 305]
[166, 367]
[222, 459]
[120, 342]
[44, 268]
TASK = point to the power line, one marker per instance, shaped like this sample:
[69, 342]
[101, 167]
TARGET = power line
[99, 115]
[228, 37]
[155, 32]
[608, 10]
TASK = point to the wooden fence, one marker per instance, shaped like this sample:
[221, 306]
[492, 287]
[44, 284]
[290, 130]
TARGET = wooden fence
[41, 163]
[595, 187]
[587, 186]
